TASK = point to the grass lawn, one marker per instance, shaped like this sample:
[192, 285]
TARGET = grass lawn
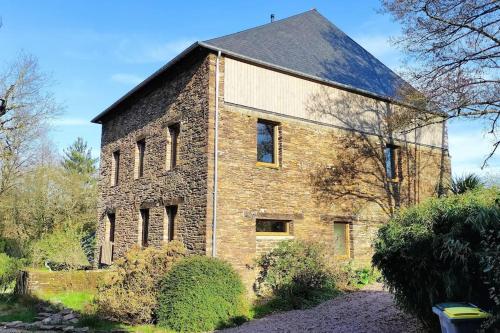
[72, 299]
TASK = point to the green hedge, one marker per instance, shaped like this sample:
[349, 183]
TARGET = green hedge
[201, 294]
[440, 250]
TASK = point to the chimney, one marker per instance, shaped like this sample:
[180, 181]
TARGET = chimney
[272, 18]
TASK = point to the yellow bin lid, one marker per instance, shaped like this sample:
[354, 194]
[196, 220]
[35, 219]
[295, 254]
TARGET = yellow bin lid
[465, 312]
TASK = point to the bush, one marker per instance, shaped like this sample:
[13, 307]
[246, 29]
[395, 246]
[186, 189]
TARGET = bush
[60, 250]
[9, 268]
[297, 274]
[201, 294]
[131, 294]
[490, 263]
[436, 252]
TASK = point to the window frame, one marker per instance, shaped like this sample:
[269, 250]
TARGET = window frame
[169, 227]
[141, 156]
[115, 175]
[275, 136]
[144, 220]
[394, 154]
[347, 240]
[174, 131]
[111, 229]
[264, 233]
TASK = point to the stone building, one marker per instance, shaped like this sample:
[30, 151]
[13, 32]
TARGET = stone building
[283, 131]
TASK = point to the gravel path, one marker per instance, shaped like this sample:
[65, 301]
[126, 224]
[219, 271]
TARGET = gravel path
[369, 310]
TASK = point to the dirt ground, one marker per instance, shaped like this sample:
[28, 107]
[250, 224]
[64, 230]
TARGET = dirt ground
[371, 309]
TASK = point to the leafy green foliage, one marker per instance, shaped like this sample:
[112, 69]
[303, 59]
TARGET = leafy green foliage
[462, 184]
[364, 276]
[201, 294]
[490, 262]
[131, 294]
[296, 274]
[437, 251]
[60, 250]
[49, 199]
[9, 268]
[360, 277]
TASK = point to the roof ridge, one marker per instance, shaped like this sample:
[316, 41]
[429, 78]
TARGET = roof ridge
[266, 24]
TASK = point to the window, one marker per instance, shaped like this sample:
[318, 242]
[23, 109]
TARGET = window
[170, 214]
[115, 168]
[111, 227]
[266, 142]
[390, 153]
[172, 148]
[272, 227]
[144, 227]
[140, 151]
[341, 239]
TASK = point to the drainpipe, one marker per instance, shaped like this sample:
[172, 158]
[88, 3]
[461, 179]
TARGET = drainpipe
[216, 153]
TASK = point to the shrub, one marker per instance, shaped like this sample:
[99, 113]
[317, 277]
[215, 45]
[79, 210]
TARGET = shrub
[464, 183]
[9, 268]
[60, 250]
[436, 252]
[201, 294]
[490, 263]
[297, 274]
[131, 294]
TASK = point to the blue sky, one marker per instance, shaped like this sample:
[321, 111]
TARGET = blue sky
[96, 51]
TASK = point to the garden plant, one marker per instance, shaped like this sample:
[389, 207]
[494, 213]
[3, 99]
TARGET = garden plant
[443, 250]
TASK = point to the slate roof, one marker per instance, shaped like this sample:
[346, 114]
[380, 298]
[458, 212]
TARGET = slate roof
[305, 44]
[310, 44]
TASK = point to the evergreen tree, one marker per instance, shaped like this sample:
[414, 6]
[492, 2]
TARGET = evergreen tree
[78, 159]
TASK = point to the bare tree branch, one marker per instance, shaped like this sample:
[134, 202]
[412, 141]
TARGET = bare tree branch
[453, 51]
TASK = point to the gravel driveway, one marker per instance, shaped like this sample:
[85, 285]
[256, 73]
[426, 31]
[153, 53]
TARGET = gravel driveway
[369, 310]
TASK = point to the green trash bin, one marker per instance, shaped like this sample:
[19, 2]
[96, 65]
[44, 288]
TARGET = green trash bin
[459, 317]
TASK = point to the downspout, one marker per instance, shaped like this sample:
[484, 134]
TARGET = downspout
[216, 153]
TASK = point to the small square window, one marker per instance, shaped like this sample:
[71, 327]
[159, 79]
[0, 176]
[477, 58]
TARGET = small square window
[267, 147]
[272, 227]
[341, 239]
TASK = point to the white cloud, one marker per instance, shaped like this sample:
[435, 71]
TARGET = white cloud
[124, 78]
[71, 122]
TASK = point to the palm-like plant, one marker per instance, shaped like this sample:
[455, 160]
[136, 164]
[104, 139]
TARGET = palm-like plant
[464, 183]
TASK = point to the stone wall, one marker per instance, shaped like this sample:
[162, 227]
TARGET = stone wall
[177, 97]
[44, 282]
[248, 191]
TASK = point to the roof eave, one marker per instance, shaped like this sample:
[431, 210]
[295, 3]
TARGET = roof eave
[97, 119]
[305, 75]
